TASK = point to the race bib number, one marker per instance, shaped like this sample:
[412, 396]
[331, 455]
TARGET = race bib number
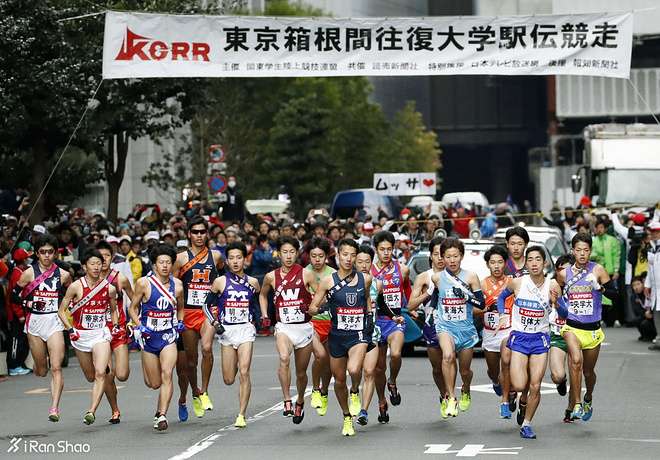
[48, 302]
[454, 309]
[93, 321]
[350, 319]
[236, 314]
[159, 321]
[581, 304]
[392, 297]
[197, 294]
[492, 318]
[290, 315]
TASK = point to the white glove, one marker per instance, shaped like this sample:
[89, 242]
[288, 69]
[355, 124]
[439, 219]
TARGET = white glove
[594, 281]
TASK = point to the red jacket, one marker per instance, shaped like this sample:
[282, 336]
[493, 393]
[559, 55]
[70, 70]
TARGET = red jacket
[13, 309]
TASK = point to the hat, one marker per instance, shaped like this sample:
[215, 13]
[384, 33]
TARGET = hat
[25, 245]
[166, 233]
[152, 235]
[39, 229]
[125, 238]
[403, 237]
[585, 201]
[112, 239]
[368, 227]
[639, 218]
[20, 254]
[182, 244]
[654, 226]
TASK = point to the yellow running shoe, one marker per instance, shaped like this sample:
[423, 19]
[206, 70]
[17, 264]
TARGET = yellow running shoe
[348, 429]
[198, 407]
[240, 421]
[452, 407]
[206, 401]
[323, 409]
[443, 408]
[354, 404]
[465, 402]
[315, 401]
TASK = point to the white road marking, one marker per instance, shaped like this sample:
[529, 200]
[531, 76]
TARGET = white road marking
[652, 441]
[46, 391]
[208, 441]
[471, 450]
[488, 388]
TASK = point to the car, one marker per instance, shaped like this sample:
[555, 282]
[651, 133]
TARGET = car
[364, 200]
[465, 198]
[550, 238]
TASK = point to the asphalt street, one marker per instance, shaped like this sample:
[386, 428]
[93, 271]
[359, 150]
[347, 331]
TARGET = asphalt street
[626, 421]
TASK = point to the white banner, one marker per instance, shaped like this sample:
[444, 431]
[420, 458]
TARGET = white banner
[140, 45]
[401, 184]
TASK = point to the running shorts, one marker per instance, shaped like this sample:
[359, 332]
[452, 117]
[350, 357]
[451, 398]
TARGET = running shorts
[493, 340]
[154, 342]
[430, 336]
[388, 327]
[43, 326]
[588, 339]
[90, 337]
[463, 339]
[194, 318]
[526, 343]
[300, 335]
[119, 339]
[557, 341]
[322, 328]
[236, 335]
[340, 344]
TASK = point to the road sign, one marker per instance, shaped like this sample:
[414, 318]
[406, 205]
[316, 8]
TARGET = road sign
[402, 184]
[471, 450]
[217, 184]
[216, 154]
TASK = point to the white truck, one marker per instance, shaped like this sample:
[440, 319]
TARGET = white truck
[621, 165]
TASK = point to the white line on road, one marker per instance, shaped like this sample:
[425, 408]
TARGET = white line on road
[653, 441]
[208, 441]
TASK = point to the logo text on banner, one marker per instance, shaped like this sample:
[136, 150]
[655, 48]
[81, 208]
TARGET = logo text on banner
[401, 184]
[141, 45]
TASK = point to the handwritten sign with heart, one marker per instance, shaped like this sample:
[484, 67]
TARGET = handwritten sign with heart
[403, 184]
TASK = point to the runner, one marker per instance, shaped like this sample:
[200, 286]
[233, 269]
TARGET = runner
[346, 294]
[517, 240]
[458, 292]
[558, 348]
[229, 310]
[319, 248]
[157, 311]
[529, 339]
[494, 335]
[291, 285]
[584, 285]
[424, 293]
[119, 343]
[363, 261]
[39, 290]
[89, 300]
[197, 268]
[392, 275]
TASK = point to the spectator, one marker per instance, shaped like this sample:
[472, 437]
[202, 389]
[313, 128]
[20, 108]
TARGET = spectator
[643, 318]
[652, 282]
[125, 247]
[606, 251]
[262, 258]
[19, 349]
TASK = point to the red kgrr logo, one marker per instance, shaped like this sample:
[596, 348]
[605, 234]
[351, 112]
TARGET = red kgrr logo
[147, 49]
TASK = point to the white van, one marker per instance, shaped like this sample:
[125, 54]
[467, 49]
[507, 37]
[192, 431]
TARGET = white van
[465, 198]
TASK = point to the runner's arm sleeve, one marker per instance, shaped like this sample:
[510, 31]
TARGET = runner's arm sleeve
[211, 301]
[610, 290]
[562, 308]
[501, 299]
[478, 299]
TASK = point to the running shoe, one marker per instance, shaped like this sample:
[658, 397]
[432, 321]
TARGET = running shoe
[20, 370]
[561, 388]
[354, 404]
[347, 429]
[156, 421]
[240, 421]
[363, 417]
[383, 416]
[115, 419]
[527, 432]
[567, 416]
[452, 407]
[465, 402]
[315, 400]
[588, 411]
[513, 396]
[578, 411]
[161, 423]
[89, 418]
[288, 409]
[299, 413]
[497, 388]
[504, 410]
[207, 404]
[54, 414]
[520, 416]
[395, 396]
[324, 406]
[183, 412]
[443, 407]
[198, 407]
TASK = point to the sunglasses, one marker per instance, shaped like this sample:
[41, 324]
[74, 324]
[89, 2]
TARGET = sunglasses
[44, 252]
[198, 232]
